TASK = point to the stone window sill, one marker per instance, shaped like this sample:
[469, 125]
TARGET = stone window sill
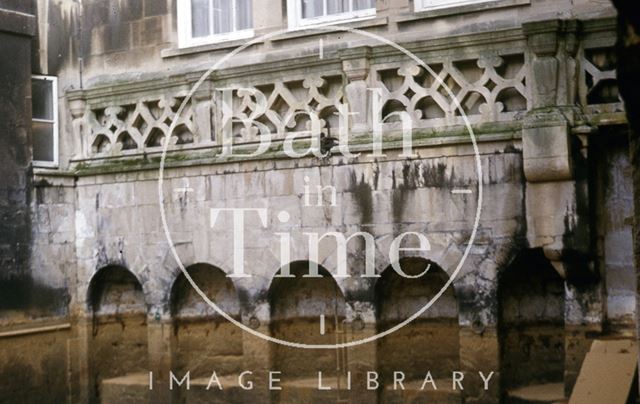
[293, 34]
[463, 9]
[173, 52]
[310, 31]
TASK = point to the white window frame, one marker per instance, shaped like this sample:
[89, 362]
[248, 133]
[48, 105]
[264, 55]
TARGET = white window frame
[294, 11]
[185, 38]
[429, 5]
[54, 122]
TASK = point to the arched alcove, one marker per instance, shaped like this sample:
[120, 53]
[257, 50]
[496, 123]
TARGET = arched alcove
[297, 303]
[205, 341]
[431, 341]
[531, 322]
[118, 340]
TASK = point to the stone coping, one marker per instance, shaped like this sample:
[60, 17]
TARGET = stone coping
[204, 156]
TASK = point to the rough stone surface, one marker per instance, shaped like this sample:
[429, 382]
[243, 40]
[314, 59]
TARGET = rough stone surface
[549, 269]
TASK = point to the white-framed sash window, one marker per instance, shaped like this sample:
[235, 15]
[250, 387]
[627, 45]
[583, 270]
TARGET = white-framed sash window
[303, 13]
[44, 121]
[203, 22]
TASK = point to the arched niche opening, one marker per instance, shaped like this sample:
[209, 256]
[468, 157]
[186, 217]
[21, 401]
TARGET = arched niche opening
[531, 301]
[297, 304]
[205, 341]
[431, 342]
[118, 340]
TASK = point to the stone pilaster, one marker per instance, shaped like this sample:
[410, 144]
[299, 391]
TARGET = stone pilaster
[77, 108]
[584, 316]
[479, 348]
[203, 116]
[159, 332]
[257, 352]
[557, 195]
[83, 372]
[355, 64]
[480, 352]
[363, 357]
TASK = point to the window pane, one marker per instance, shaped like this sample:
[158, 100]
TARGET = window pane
[42, 98]
[312, 8]
[200, 18]
[222, 16]
[243, 13]
[363, 4]
[337, 6]
[42, 133]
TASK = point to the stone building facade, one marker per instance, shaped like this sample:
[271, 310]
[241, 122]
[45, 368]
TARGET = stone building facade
[98, 299]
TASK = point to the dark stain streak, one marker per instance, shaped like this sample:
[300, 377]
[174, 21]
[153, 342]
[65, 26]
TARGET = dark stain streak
[362, 193]
[376, 175]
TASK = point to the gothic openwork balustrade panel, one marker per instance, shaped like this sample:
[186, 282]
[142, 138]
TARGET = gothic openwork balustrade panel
[279, 107]
[138, 126]
[599, 86]
[487, 89]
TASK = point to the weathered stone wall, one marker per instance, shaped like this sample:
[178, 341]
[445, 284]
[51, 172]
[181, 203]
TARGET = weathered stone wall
[34, 353]
[615, 223]
[15, 104]
[118, 222]
[92, 217]
[118, 218]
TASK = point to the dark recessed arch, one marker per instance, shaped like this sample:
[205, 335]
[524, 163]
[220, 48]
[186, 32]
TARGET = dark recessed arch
[531, 300]
[429, 343]
[114, 284]
[202, 338]
[118, 341]
[296, 305]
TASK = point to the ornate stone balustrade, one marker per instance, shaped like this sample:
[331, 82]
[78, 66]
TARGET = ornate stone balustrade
[598, 87]
[362, 89]
[488, 88]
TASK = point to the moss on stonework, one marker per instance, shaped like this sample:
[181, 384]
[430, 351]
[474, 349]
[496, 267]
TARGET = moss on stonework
[242, 153]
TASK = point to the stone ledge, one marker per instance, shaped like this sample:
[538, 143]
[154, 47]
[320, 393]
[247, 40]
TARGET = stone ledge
[463, 9]
[15, 22]
[212, 47]
[207, 156]
[368, 22]
[43, 328]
